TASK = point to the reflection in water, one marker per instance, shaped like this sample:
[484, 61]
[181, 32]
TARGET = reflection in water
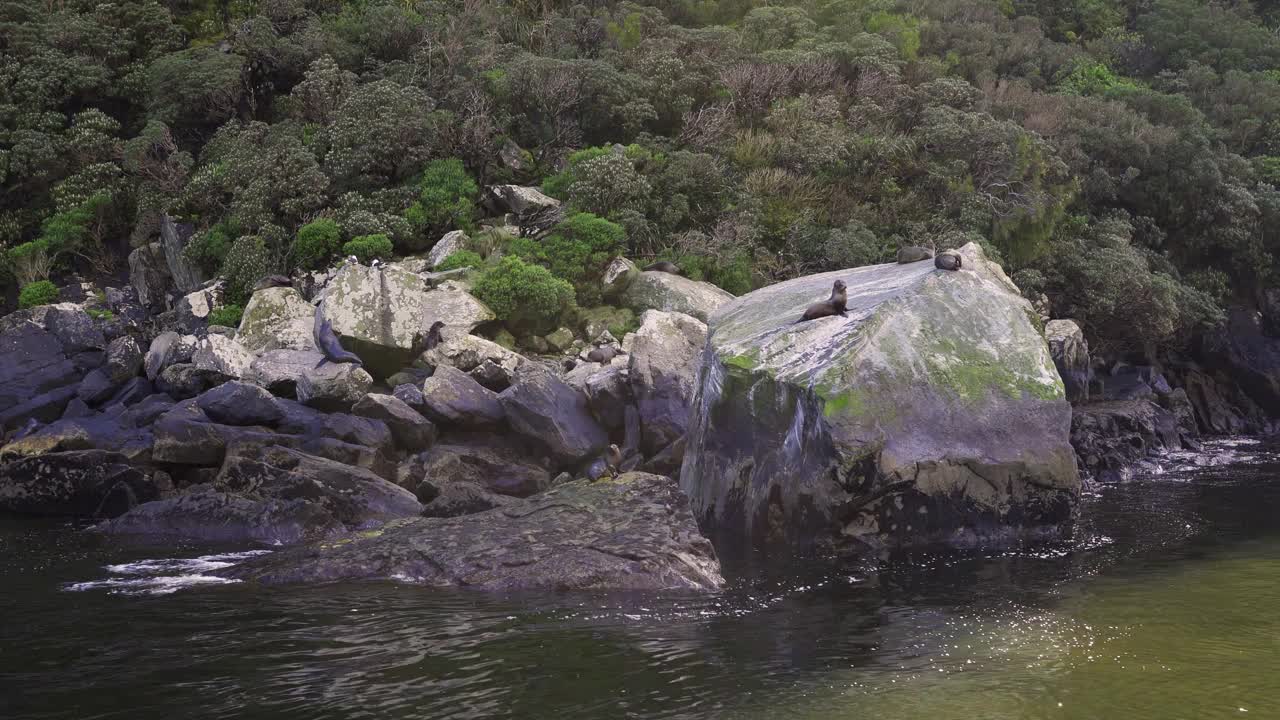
[1165, 605]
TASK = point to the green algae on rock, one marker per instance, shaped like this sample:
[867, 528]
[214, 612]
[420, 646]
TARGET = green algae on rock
[932, 413]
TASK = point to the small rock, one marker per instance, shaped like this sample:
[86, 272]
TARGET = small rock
[447, 245]
[124, 359]
[333, 386]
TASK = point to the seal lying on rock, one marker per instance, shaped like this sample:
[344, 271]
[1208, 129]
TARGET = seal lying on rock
[835, 305]
[664, 266]
[913, 253]
[271, 281]
[948, 261]
[327, 342]
[603, 355]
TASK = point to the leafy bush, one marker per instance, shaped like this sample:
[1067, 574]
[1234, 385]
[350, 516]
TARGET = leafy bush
[577, 250]
[100, 313]
[30, 262]
[41, 292]
[317, 242]
[523, 295]
[208, 250]
[460, 259]
[446, 199]
[368, 247]
[248, 261]
[226, 316]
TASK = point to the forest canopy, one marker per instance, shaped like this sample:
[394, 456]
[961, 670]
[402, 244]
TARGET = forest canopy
[1121, 158]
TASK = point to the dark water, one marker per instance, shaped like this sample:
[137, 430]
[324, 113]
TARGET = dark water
[1166, 605]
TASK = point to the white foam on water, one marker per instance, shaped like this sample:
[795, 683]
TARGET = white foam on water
[164, 576]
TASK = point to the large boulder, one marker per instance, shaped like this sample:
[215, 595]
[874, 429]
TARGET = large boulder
[1248, 356]
[193, 309]
[279, 370]
[517, 199]
[174, 237]
[87, 483]
[490, 462]
[489, 363]
[32, 363]
[666, 353]
[412, 431]
[654, 290]
[542, 407]
[931, 413]
[274, 495]
[149, 276]
[239, 403]
[277, 318]
[222, 357]
[452, 398]
[333, 386]
[635, 533]
[161, 353]
[1070, 353]
[381, 314]
[124, 359]
[618, 276]
[71, 325]
[451, 243]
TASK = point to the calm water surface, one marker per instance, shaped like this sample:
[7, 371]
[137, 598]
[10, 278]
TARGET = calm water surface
[1166, 605]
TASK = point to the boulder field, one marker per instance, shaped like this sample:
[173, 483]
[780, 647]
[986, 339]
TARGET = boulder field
[932, 412]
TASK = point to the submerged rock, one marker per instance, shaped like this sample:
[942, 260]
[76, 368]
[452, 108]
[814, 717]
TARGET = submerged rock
[635, 533]
[932, 413]
[654, 290]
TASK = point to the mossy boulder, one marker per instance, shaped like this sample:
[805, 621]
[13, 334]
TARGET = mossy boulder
[653, 290]
[931, 413]
[605, 318]
[378, 312]
[277, 318]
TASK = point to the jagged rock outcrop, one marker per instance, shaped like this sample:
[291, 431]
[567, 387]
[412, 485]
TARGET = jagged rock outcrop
[635, 533]
[1113, 438]
[174, 237]
[1070, 354]
[32, 363]
[450, 243]
[653, 290]
[542, 407]
[490, 364]
[931, 413]
[491, 462]
[277, 318]
[149, 275]
[666, 353]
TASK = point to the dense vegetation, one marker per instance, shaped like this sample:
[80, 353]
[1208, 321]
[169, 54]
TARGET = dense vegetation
[1121, 157]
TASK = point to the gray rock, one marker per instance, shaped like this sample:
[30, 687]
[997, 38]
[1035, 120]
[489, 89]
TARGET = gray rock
[666, 353]
[410, 395]
[447, 245]
[468, 352]
[500, 199]
[412, 432]
[1110, 438]
[1070, 354]
[149, 276]
[560, 340]
[174, 237]
[134, 391]
[542, 407]
[239, 403]
[124, 359]
[618, 276]
[333, 386]
[932, 413]
[452, 398]
[279, 370]
[221, 356]
[193, 309]
[277, 318]
[608, 393]
[632, 534]
[85, 483]
[183, 380]
[455, 499]
[43, 408]
[96, 387]
[654, 290]
[31, 364]
[489, 462]
[71, 325]
[160, 354]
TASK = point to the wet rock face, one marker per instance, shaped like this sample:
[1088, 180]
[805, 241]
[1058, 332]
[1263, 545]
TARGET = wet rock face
[932, 413]
[85, 483]
[1111, 437]
[635, 533]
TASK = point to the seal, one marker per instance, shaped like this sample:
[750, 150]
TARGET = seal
[271, 281]
[423, 343]
[913, 253]
[664, 266]
[613, 459]
[948, 260]
[603, 355]
[835, 305]
[327, 343]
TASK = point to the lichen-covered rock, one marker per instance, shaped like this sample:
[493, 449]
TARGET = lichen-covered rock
[149, 275]
[221, 356]
[469, 352]
[380, 313]
[85, 483]
[666, 353]
[239, 403]
[653, 290]
[454, 399]
[412, 431]
[193, 308]
[560, 340]
[71, 325]
[542, 407]
[1070, 354]
[517, 199]
[634, 533]
[184, 380]
[618, 276]
[333, 386]
[932, 413]
[277, 318]
[454, 499]
[490, 462]
[124, 359]
[447, 245]
[159, 355]
[278, 370]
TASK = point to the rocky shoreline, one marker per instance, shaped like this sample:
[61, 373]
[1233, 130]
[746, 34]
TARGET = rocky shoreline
[473, 464]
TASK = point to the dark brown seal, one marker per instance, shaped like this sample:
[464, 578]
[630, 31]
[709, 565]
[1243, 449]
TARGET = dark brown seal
[835, 305]
[603, 355]
[664, 266]
[913, 253]
[271, 281]
[948, 261]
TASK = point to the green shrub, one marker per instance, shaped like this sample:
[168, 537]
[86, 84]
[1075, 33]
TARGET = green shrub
[368, 247]
[30, 262]
[577, 250]
[226, 316]
[446, 199]
[100, 313]
[460, 259]
[733, 274]
[208, 250]
[317, 242]
[525, 296]
[248, 261]
[41, 292]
